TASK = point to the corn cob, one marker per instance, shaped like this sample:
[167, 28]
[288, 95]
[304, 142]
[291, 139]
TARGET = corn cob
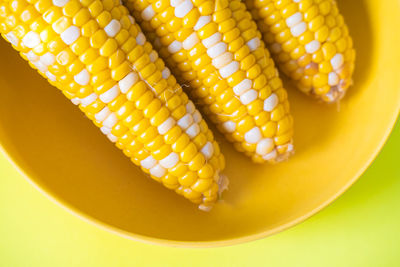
[310, 43]
[215, 47]
[96, 54]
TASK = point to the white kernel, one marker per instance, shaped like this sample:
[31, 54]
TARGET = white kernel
[164, 127]
[32, 56]
[229, 126]
[248, 97]
[112, 138]
[110, 121]
[148, 13]
[207, 150]
[175, 3]
[201, 22]
[271, 102]
[271, 155]
[217, 49]
[265, 146]
[105, 130]
[148, 162]
[299, 29]
[110, 94]
[337, 61]
[174, 47]
[193, 130]
[153, 56]
[294, 19]
[40, 66]
[242, 87]
[102, 114]
[333, 79]
[183, 8]
[127, 82]
[51, 76]
[253, 136]
[112, 28]
[190, 41]
[190, 108]
[276, 48]
[82, 78]
[88, 100]
[170, 161]
[254, 43]
[157, 171]
[212, 40]
[12, 38]
[313, 46]
[31, 39]
[76, 100]
[222, 60]
[290, 148]
[229, 69]
[48, 59]
[197, 116]
[185, 121]
[205, 208]
[166, 73]
[131, 19]
[70, 35]
[140, 38]
[60, 3]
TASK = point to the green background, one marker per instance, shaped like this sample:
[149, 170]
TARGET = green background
[362, 228]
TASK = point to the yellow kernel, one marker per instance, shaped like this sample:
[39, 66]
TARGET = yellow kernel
[187, 179]
[103, 19]
[202, 185]
[325, 67]
[316, 23]
[89, 28]
[98, 38]
[322, 34]
[283, 139]
[180, 170]
[306, 37]
[318, 56]
[231, 35]
[207, 8]
[190, 20]
[328, 50]
[197, 162]
[80, 18]
[108, 48]
[261, 118]
[189, 152]
[172, 135]
[71, 8]
[269, 129]
[161, 153]
[320, 80]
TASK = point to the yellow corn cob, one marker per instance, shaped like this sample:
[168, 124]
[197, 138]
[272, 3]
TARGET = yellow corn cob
[94, 52]
[215, 47]
[310, 43]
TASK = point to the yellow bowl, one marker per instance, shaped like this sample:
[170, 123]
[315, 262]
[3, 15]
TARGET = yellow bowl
[61, 152]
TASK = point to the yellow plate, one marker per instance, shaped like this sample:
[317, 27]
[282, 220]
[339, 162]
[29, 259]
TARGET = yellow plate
[61, 152]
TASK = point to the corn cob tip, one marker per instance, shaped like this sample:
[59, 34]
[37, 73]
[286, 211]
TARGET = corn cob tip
[223, 183]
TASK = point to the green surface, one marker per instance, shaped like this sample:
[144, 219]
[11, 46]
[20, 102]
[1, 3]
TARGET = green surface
[362, 228]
